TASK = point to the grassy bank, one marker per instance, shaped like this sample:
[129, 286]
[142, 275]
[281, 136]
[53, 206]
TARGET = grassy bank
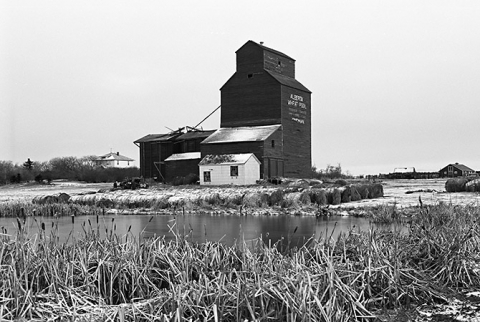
[118, 278]
[256, 199]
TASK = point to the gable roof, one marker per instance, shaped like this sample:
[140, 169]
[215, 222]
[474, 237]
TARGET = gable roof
[241, 134]
[265, 48]
[287, 81]
[217, 159]
[113, 157]
[460, 167]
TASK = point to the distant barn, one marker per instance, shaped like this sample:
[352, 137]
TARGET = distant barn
[456, 170]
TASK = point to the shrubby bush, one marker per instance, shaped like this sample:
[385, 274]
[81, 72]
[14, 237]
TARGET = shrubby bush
[330, 172]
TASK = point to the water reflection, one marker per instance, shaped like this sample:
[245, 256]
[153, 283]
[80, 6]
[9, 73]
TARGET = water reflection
[292, 231]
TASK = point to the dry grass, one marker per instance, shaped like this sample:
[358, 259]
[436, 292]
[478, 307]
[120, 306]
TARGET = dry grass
[119, 278]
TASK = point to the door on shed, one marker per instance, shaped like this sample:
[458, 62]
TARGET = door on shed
[275, 168]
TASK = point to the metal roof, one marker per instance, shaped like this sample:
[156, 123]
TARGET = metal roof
[288, 81]
[184, 156]
[227, 158]
[241, 134]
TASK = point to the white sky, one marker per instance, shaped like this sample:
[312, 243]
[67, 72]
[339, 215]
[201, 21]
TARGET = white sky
[395, 83]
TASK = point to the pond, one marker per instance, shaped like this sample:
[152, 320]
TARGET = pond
[288, 231]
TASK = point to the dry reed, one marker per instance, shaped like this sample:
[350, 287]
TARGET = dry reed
[120, 278]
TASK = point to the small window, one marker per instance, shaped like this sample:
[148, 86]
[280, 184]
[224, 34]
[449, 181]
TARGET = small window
[234, 171]
[250, 75]
[273, 143]
[206, 176]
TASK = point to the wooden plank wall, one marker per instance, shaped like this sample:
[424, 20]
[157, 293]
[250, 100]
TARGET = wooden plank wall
[296, 121]
[181, 168]
[251, 101]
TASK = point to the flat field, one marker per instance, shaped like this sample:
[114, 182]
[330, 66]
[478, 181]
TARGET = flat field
[406, 193]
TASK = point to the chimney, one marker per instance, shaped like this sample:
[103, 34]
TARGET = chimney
[118, 153]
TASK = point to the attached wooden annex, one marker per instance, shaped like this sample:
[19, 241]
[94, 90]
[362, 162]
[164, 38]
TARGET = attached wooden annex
[229, 169]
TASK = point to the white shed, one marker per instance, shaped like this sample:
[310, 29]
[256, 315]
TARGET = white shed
[235, 169]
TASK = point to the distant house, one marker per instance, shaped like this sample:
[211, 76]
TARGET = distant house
[235, 169]
[114, 160]
[456, 170]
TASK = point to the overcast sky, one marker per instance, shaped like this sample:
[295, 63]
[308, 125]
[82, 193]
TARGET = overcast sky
[394, 83]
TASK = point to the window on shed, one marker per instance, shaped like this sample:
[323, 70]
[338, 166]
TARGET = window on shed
[273, 143]
[206, 176]
[234, 171]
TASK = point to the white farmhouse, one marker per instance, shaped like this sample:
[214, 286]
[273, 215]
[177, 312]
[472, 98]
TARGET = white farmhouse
[114, 160]
[234, 169]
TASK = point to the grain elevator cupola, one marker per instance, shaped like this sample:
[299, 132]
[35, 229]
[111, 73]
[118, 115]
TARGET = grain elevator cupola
[262, 92]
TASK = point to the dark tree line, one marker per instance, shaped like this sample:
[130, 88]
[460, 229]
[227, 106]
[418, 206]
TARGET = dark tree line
[70, 168]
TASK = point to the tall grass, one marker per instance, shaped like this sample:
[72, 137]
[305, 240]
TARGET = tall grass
[120, 278]
[23, 208]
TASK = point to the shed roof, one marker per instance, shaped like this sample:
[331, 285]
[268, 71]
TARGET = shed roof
[184, 156]
[242, 134]
[217, 159]
[113, 156]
